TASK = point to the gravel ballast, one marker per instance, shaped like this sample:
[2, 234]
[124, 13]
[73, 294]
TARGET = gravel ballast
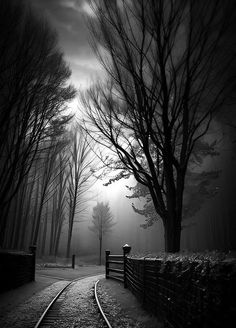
[79, 308]
[26, 314]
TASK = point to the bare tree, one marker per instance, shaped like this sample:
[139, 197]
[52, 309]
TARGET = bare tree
[164, 84]
[51, 198]
[79, 180]
[102, 223]
[33, 95]
[59, 201]
[41, 201]
[199, 187]
[50, 169]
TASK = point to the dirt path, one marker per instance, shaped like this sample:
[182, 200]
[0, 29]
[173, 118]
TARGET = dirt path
[44, 278]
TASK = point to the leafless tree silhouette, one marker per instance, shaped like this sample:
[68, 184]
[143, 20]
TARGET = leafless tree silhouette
[79, 180]
[33, 95]
[164, 85]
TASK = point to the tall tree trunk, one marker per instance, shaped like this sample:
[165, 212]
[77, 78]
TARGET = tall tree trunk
[38, 218]
[58, 235]
[172, 228]
[5, 228]
[20, 214]
[12, 221]
[39, 241]
[69, 241]
[16, 219]
[71, 222]
[100, 251]
[44, 232]
[35, 210]
[5, 242]
[52, 230]
[26, 219]
[3, 225]
[174, 196]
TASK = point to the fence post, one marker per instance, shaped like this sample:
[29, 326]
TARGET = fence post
[144, 282]
[126, 251]
[107, 263]
[73, 261]
[32, 250]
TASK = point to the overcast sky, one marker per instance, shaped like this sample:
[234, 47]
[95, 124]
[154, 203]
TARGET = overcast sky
[68, 18]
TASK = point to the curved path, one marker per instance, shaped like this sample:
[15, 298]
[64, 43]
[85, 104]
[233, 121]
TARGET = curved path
[68, 273]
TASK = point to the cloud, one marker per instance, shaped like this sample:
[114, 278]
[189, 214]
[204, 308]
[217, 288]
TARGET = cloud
[87, 9]
[85, 72]
[82, 6]
[68, 18]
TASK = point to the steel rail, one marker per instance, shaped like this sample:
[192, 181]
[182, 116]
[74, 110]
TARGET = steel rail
[51, 303]
[56, 297]
[99, 306]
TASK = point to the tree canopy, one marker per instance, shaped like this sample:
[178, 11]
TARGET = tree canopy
[34, 92]
[164, 83]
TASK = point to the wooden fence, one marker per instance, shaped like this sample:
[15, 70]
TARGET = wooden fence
[194, 295]
[184, 293]
[115, 264]
[16, 268]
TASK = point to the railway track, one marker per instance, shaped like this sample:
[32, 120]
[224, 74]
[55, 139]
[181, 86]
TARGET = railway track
[99, 306]
[50, 315]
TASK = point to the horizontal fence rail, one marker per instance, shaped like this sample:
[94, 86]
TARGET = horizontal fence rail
[115, 264]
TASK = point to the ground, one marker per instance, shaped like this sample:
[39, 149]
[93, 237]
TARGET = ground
[127, 309]
[22, 307]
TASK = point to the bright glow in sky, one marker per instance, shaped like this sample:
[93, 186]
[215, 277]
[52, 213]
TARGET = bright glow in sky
[68, 18]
